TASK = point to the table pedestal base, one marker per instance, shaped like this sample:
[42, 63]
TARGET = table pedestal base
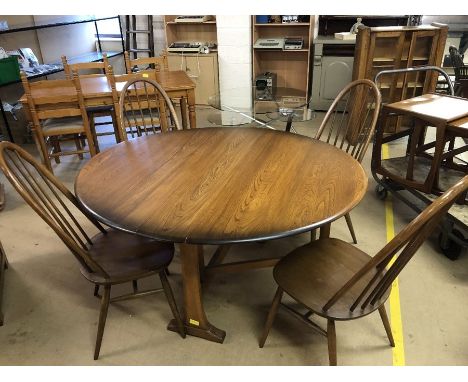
[211, 333]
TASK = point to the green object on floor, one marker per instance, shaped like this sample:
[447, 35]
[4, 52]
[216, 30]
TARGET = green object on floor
[9, 70]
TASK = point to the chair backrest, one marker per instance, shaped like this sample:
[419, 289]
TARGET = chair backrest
[85, 66]
[158, 64]
[455, 57]
[52, 201]
[144, 104]
[403, 247]
[459, 67]
[359, 117]
[54, 99]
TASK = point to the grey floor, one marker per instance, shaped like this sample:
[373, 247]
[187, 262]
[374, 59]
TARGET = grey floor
[51, 314]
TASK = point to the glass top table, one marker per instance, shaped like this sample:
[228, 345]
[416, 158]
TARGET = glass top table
[253, 106]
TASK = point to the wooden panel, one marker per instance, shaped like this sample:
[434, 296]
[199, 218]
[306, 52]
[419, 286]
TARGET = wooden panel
[202, 69]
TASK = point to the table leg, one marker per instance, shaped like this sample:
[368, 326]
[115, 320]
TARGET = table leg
[194, 317]
[191, 106]
[183, 112]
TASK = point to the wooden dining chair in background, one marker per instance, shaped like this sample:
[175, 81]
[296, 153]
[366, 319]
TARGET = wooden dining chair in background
[339, 282]
[108, 258]
[345, 115]
[3, 266]
[144, 106]
[102, 115]
[461, 72]
[58, 113]
[146, 63]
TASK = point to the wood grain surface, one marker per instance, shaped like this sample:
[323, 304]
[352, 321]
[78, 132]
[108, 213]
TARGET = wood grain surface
[220, 185]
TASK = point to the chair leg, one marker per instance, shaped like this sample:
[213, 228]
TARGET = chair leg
[78, 145]
[135, 286]
[170, 299]
[386, 323]
[45, 153]
[331, 336]
[313, 235]
[102, 320]
[350, 226]
[2, 280]
[56, 145]
[271, 316]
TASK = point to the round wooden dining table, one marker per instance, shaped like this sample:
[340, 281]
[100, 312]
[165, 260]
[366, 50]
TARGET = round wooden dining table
[219, 186]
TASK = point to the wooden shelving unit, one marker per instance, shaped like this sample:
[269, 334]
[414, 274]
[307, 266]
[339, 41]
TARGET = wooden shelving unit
[202, 68]
[291, 66]
[386, 48]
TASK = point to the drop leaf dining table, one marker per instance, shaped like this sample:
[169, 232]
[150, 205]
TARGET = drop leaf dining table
[219, 186]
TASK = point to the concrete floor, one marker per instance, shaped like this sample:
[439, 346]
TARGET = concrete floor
[51, 314]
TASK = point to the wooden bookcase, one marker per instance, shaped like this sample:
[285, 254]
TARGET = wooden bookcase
[202, 68]
[291, 66]
[385, 48]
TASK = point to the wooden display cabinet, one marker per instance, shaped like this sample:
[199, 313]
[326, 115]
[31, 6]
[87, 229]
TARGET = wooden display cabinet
[291, 66]
[201, 67]
[386, 48]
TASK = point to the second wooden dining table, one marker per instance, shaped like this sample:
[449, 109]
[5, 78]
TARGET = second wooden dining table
[219, 186]
[177, 84]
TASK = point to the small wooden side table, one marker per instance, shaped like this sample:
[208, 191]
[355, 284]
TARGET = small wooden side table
[419, 169]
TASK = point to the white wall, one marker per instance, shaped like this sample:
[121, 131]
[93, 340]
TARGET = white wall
[69, 40]
[235, 59]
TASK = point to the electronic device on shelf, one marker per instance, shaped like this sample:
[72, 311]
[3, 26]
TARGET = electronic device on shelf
[293, 43]
[265, 86]
[193, 19]
[269, 43]
[191, 47]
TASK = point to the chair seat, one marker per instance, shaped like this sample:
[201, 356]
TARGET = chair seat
[126, 256]
[313, 273]
[59, 126]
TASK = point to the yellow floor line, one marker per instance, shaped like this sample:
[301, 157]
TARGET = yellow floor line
[395, 311]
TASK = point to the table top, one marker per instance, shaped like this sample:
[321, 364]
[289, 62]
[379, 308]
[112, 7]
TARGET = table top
[432, 107]
[98, 86]
[220, 185]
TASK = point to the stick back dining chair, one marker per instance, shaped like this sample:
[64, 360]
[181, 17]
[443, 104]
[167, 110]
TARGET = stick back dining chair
[108, 258]
[57, 111]
[144, 106]
[339, 282]
[146, 63]
[3, 266]
[461, 72]
[103, 112]
[345, 114]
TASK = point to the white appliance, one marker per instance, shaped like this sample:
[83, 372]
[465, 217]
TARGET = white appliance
[333, 70]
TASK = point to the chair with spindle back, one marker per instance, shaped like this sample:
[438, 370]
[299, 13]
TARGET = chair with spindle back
[146, 63]
[339, 282]
[89, 70]
[3, 266]
[461, 72]
[346, 115]
[108, 258]
[145, 106]
[57, 112]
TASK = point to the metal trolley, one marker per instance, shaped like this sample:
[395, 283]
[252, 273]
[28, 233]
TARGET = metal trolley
[454, 227]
